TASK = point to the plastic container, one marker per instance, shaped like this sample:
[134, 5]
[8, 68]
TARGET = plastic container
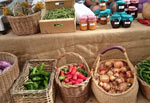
[83, 23]
[115, 20]
[132, 10]
[92, 22]
[126, 20]
[120, 6]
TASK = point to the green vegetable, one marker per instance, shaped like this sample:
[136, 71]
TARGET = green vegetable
[60, 13]
[82, 71]
[37, 78]
[66, 70]
[41, 67]
[62, 77]
[144, 70]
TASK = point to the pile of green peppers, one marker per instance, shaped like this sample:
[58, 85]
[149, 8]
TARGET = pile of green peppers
[144, 70]
[60, 13]
[38, 78]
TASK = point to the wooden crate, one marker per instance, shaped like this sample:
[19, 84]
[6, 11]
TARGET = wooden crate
[57, 25]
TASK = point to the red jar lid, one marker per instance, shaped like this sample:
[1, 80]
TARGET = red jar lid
[132, 8]
[93, 18]
[83, 18]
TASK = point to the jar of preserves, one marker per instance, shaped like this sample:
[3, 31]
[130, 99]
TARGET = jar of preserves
[102, 5]
[115, 20]
[134, 3]
[132, 10]
[120, 6]
[104, 16]
[83, 23]
[92, 22]
[127, 5]
[126, 20]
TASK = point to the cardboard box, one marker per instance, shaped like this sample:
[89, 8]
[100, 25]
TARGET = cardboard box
[57, 25]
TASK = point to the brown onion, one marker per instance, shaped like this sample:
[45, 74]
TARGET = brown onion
[118, 64]
[101, 84]
[101, 67]
[129, 74]
[116, 70]
[123, 69]
[106, 86]
[116, 74]
[130, 80]
[119, 80]
[110, 73]
[102, 72]
[123, 75]
[104, 78]
[112, 78]
[108, 64]
[123, 86]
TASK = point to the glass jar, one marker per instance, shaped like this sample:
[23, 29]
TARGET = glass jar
[120, 6]
[126, 20]
[134, 3]
[92, 22]
[132, 10]
[83, 23]
[103, 17]
[115, 20]
[127, 5]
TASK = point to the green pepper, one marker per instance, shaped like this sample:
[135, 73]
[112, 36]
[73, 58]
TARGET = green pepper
[44, 73]
[62, 77]
[41, 67]
[66, 69]
[82, 71]
[37, 78]
[45, 83]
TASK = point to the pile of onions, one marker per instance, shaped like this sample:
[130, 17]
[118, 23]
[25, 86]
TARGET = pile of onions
[4, 65]
[115, 76]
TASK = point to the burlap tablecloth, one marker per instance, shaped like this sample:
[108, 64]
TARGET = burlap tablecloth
[87, 43]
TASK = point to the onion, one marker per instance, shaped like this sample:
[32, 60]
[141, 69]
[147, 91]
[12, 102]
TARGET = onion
[130, 80]
[104, 78]
[97, 76]
[123, 75]
[101, 67]
[116, 74]
[112, 91]
[110, 73]
[101, 84]
[106, 86]
[123, 69]
[108, 64]
[4, 64]
[123, 86]
[116, 70]
[118, 64]
[129, 74]
[102, 72]
[119, 80]
[112, 78]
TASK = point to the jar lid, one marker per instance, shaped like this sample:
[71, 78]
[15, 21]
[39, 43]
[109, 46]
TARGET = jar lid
[115, 16]
[120, 2]
[120, 13]
[83, 18]
[134, 1]
[91, 17]
[126, 17]
[132, 8]
[103, 0]
[96, 12]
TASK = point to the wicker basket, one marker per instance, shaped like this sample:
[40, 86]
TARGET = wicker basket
[129, 96]
[74, 93]
[42, 96]
[8, 77]
[144, 87]
[25, 25]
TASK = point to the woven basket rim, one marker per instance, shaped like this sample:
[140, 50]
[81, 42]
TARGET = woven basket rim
[24, 17]
[14, 91]
[10, 68]
[72, 86]
[119, 94]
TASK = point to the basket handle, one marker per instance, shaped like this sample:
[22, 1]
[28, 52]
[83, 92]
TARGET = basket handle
[73, 54]
[122, 49]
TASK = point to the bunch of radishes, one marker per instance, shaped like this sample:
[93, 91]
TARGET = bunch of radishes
[115, 76]
[4, 65]
[73, 74]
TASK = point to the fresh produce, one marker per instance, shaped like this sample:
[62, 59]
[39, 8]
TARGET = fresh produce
[4, 65]
[38, 78]
[143, 70]
[114, 76]
[60, 13]
[145, 11]
[73, 74]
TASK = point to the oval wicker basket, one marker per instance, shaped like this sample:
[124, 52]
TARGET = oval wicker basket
[129, 96]
[74, 93]
[144, 86]
[25, 25]
[8, 77]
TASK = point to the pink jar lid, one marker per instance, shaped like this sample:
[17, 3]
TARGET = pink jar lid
[83, 18]
[134, 1]
[132, 8]
[91, 17]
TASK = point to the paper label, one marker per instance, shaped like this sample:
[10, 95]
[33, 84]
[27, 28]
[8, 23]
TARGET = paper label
[121, 7]
[132, 13]
[92, 24]
[103, 18]
[116, 23]
[102, 4]
[127, 22]
[126, 9]
[83, 24]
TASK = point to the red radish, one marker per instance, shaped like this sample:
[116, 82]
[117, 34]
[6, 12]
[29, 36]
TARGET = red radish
[74, 70]
[70, 83]
[62, 73]
[76, 82]
[80, 80]
[118, 64]
[75, 76]
[81, 65]
[70, 68]
[81, 76]
[66, 80]
[69, 76]
[73, 81]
